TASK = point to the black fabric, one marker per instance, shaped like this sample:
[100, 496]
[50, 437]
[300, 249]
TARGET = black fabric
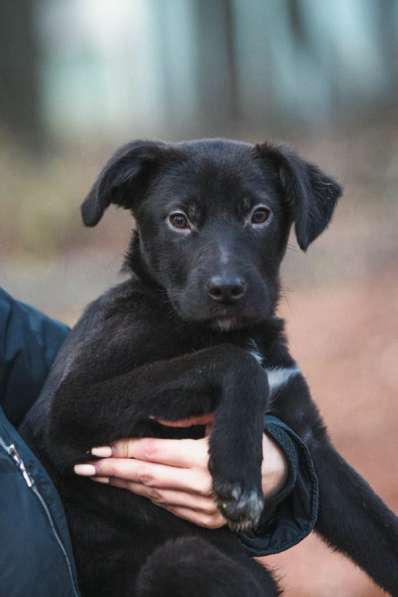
[29, 342]
[31, 559]
[290, 515]
[32, 562]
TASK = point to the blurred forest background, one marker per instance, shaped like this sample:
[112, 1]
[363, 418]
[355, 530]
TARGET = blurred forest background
[80, 77]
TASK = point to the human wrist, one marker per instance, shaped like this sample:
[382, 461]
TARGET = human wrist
[275, 469]
[282, 445]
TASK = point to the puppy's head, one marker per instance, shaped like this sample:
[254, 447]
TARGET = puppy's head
[213, 219]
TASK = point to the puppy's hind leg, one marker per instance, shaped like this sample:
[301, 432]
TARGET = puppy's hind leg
[191, 566]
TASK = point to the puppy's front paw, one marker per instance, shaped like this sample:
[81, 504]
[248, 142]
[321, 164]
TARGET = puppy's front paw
[241, 507]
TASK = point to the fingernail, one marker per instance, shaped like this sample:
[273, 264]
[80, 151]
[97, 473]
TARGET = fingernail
[102, 451]
[100, 479]
[86, 470]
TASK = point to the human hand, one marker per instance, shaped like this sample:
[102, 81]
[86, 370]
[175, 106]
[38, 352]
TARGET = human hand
[174, 474]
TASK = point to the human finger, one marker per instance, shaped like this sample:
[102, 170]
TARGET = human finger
[150, 474]
[185, 453]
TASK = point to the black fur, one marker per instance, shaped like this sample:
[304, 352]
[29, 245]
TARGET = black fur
[174, 341]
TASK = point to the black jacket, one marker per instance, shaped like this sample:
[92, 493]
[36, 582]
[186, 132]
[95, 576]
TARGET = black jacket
[36, 557]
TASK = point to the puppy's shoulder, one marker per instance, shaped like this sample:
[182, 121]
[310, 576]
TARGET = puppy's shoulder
[129, 316]
[130, 301]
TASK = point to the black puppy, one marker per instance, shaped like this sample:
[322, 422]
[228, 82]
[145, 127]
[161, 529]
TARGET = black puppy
[194, 331]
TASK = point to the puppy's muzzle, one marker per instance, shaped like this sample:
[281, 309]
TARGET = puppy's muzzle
[227, 290]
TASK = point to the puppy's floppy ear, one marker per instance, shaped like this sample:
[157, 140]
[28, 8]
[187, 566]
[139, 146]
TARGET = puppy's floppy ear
[311, 194]
[123, 178]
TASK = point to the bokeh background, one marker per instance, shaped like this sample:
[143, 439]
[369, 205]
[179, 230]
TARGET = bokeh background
[80, 77]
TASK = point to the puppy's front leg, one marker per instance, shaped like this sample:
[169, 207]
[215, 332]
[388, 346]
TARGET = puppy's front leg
[236, 445]
[224, 378]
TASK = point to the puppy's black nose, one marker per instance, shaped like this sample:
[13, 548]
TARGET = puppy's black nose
[226, 289]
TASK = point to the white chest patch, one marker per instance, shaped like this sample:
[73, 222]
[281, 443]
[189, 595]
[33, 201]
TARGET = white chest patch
[277, 376]
[259, 357]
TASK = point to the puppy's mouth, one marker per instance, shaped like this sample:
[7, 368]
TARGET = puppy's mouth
[225, 324]
[224, 321]
[222, 318]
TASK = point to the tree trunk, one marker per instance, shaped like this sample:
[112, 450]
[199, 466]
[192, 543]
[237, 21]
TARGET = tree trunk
[217, 83]
[20, 109]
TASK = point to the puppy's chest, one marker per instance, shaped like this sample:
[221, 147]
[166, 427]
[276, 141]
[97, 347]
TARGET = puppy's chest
[279, 369]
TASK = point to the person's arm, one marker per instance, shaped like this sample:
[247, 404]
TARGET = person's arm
[29, 342]
[36, 556]
[174, 474]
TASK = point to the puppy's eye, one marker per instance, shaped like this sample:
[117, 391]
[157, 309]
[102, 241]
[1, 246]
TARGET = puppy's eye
[179, 220]
[260, 215]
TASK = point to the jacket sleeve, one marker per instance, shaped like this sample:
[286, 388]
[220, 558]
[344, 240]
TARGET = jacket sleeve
[29, 342]
[290, 515]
